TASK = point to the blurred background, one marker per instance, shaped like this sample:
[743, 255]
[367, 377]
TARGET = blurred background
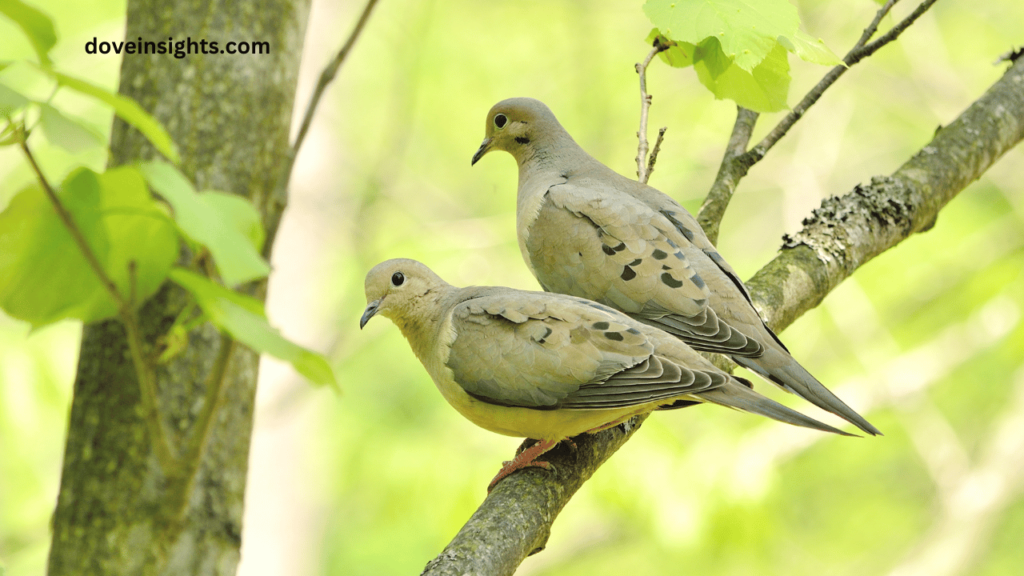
[927, 340]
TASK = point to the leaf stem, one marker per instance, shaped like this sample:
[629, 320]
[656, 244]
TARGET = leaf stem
[126, 311]
[200, 439]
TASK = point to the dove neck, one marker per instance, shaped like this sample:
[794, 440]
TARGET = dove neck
[551, 154]
[421, 328]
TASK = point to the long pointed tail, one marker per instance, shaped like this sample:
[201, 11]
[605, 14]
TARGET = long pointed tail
[782, 369]
[736, 395]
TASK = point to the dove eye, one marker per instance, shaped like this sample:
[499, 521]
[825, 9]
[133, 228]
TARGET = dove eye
[398, 279]
[500, 120]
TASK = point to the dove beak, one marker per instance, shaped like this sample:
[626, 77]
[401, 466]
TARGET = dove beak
[370, 312]
[484, 148]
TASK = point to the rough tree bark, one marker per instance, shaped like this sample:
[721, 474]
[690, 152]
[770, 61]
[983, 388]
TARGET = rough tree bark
[515, 519]
[118, 512]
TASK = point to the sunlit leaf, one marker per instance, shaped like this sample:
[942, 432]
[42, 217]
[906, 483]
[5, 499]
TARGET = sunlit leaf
[763, 90]
[140, 231]
[233, 252]
[243, 317]
[10, 101]
[36, 25]
[44, 276]
[239, 213]
[129, 111]
[67, 133]
[678, 54]
[29, 80]
[747, 30]
[810, 49]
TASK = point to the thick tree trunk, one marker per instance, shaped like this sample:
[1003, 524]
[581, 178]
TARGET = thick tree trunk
[118, 511]
[515, 519]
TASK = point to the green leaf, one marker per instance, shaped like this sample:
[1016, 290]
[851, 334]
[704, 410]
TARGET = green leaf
[678, 54]
[36, 25]
[67, 133]
[10, 135]
[747, 30]
[140, 231]
[810, 49]
[29, 80]
[10, 101]
[129, 111]
[233, 252]
[763, 90]
[239, 213]
[243, 317]
[44, 276]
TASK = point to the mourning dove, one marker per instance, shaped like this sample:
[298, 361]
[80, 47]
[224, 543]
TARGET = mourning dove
[548, 366]
[587, 231]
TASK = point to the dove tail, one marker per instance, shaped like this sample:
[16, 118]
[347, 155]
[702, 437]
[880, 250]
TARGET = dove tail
[742, 398]
[783, 370]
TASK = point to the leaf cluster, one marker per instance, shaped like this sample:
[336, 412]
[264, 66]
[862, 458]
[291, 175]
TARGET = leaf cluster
[738, 48]
[100, 243]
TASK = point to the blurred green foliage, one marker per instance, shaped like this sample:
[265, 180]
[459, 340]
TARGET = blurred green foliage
[927, 340]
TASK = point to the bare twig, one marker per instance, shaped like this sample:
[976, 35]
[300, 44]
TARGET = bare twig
[736, 165]
[732, 169]
[126, 310]
[860, 51]
[642, 171]
[655, 150]
[280, 195]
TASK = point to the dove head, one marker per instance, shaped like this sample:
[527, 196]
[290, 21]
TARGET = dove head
[405, 291]
[522, 127]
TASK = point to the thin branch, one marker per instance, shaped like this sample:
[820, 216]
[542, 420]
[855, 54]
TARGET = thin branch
[214, 399]
[655, 150]
[859, 52]
[873, 26]
[73, 229]
[736, 165]
[516, 518]
[645, 104]
[147, 384]
[730, 172]
[279, 197]
[148, 395]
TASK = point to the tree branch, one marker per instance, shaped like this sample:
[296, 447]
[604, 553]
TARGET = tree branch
[735, 165]
[859, 52]
[844, 233]
[279, 198]
[515, 519]
[655, 150]
[730, 172]
[643, 169]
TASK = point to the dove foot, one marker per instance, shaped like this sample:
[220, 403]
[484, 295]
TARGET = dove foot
[525, 459]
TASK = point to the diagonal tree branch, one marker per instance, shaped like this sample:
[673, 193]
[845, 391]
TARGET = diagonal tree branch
[515, 519]
[733, 168]
[735, 165]
[279, 198]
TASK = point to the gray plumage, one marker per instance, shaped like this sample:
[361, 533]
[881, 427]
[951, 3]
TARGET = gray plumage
[587, 231]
